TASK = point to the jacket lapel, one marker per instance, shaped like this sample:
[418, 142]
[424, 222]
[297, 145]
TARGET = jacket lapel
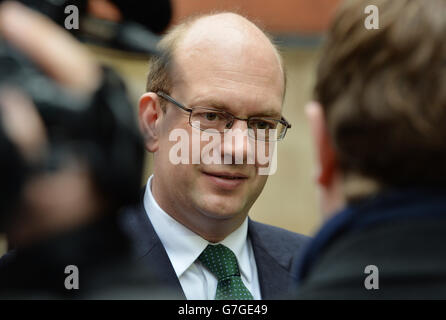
[274, 263]
[148, 248]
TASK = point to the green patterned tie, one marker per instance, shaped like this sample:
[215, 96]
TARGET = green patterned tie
[221, 261]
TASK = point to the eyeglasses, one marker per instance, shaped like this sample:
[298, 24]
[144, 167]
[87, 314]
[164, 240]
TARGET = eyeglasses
[259, 128]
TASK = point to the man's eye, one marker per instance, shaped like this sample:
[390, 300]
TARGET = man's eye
[211, 116]
[264, 125]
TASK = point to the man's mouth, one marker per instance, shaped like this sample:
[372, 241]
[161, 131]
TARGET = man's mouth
[226, 180]
[230, 176]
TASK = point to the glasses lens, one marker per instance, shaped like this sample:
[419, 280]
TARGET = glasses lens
[204, 119]
[266, 129]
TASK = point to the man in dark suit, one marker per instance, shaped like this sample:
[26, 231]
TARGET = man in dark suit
[220, 75]
[379, 131]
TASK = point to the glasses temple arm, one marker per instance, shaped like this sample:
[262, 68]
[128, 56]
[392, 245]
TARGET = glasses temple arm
[172, 100]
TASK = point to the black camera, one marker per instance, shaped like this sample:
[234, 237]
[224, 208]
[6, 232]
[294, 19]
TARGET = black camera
[100, 129]
[135, 31]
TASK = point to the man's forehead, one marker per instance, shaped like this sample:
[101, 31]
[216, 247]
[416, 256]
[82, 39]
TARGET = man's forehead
[225, 33]
[230, 50]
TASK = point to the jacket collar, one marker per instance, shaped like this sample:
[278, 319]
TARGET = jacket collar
[391, 205]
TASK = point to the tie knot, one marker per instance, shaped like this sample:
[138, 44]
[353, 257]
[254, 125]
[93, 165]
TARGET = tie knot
[220, 260]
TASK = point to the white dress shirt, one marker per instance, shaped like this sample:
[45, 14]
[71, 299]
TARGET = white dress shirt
[184, 246]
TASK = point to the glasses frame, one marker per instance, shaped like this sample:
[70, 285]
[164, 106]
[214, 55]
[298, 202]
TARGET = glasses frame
[167, 97]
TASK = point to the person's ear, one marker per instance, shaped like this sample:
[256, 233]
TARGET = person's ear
[325, 154]
[150, 115]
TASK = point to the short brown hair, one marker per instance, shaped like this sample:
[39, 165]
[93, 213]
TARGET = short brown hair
[159, 77]
[384, 91]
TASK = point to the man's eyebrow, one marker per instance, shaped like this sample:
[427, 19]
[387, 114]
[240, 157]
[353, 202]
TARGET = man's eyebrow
[268, 114]
[210, 103]
[216, 104]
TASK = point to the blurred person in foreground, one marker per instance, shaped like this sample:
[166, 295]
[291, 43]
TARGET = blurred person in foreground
[379, 131]
[61, 213]
[219, 72]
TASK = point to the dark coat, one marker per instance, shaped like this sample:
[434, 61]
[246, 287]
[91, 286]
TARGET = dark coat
[402, 233]
[102, 255]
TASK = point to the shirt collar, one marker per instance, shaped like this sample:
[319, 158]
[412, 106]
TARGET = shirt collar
[183, 246]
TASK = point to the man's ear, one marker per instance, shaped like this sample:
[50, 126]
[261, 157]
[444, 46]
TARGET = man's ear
[150, 114]
[325, 155]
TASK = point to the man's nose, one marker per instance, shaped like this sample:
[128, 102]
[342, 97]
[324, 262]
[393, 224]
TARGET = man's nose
[236, 147]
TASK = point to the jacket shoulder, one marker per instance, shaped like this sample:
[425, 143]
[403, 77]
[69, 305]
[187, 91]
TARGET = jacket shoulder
[6, 259]
[406, 254]
[278, 234]
[277, 241]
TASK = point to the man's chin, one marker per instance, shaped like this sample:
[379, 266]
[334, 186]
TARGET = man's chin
[223, 209]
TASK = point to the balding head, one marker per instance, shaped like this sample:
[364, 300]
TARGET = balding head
[235, 36]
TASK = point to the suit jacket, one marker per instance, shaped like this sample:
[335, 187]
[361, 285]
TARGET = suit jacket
[101, 252]
[401, 233]
[276, 251]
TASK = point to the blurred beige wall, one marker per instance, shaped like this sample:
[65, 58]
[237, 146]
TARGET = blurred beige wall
[3, 244]
[289, 198]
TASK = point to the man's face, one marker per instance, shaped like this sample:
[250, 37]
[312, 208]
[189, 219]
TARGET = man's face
[245, 81]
